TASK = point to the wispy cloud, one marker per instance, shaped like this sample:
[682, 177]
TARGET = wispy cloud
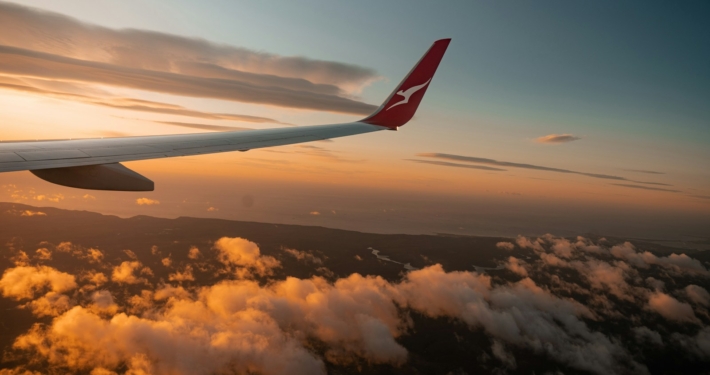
[321, 153]
[647, 188]
[51, 46]
[22, 62]
[557, 138]
[497, 163]
[644, 171]
[130, 103]
[652, 183]
[472, 159]
[457, 165]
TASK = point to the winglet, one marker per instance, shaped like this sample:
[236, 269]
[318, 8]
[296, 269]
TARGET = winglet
[400, 106]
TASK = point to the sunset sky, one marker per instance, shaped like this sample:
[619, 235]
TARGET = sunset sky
[543, 117]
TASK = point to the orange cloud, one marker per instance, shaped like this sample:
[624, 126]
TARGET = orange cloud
[244, 257]
[184, 275]
[25, 281]
[505, 246]
[670, 308]
[557, 138]
[147, 202]
[126, 273]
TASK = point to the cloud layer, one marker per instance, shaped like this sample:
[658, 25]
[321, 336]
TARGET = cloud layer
[551, 297]
[451, 160]
[74, 56]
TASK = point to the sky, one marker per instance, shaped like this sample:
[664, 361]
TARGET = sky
[543, 117]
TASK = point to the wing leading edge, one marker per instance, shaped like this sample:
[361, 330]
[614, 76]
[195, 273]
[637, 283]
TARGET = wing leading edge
[94, 163]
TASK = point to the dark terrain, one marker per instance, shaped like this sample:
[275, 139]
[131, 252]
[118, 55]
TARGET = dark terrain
[435, 346]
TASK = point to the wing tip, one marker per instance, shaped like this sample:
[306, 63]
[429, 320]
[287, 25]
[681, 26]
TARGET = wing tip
[404, 102]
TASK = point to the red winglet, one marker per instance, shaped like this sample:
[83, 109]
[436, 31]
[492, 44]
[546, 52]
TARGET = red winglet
[399, 108]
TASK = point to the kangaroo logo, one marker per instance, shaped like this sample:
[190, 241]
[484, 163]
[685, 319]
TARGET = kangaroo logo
[407, 93]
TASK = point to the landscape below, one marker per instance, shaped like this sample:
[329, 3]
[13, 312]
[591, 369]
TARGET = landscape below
[91, 293]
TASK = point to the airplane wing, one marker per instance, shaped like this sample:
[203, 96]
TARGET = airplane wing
[95, 163]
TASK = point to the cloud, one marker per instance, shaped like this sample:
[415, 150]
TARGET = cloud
[193, 253]
[95, 277]
[51, 304]
[652, 183]
[521, 314]
[516, 266]
[647, 188]
[244, 257]
[526, 243]
[646, 334]
[670, 308]
[132, 105]
[314, 213]
[471, 159]
[43, 254]
[147, 202]
[51, 46]
[607, 269]
[505, 246]
[477, 160]
[557, 138]
[303, 256]
[698, 345]
[457, 165]
[27, 213]
[321, 153]
[644, 171]
[677, 263]
[126, 273]
[282, 323]
[193, 334]
[184, 275]
[55, 33]
[49, 197]
[25, 282]
[698, 295]
[94, 255]
[130, 254]
[103, 303]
